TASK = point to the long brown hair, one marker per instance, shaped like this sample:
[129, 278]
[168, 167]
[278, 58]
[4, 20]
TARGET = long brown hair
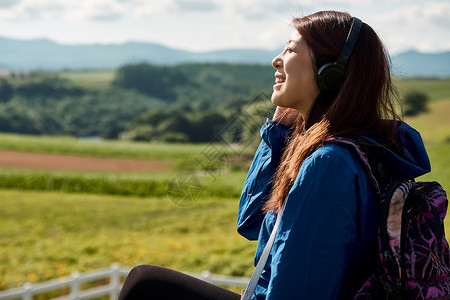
[361, 106]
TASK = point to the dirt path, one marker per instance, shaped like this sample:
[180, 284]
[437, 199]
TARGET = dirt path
[79, 163]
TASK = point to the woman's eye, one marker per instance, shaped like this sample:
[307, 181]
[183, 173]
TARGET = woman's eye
[289, 49]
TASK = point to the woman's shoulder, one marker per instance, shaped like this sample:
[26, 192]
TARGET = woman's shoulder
[332, 150]
[332, 155]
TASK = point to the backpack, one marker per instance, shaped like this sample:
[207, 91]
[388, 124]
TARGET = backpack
[414, 255]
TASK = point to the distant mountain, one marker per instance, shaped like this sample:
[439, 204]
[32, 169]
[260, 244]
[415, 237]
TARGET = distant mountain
[47, 55]
[416, 64]
[44, 54]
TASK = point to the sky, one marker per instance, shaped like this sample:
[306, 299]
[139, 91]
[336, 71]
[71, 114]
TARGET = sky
[205, 25]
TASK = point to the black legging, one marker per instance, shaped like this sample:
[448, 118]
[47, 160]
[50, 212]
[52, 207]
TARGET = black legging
[153, 282]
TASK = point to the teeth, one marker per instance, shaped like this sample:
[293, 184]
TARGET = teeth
[279, 80]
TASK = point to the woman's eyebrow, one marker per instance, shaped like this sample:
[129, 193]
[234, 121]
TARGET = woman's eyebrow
[293, 41]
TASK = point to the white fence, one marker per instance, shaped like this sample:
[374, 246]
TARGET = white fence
[113, 275]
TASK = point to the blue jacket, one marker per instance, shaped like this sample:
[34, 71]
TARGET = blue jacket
[328, 226]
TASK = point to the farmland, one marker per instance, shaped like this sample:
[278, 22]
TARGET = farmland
[57, 220]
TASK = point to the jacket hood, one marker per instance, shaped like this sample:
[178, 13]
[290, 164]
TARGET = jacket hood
[413, 162]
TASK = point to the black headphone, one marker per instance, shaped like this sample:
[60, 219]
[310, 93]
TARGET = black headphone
[331, 75]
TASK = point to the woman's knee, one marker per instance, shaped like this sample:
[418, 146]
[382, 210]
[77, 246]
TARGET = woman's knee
[138, 282]
[144, 273]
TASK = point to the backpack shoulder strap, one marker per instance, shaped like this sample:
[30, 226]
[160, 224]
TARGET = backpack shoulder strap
[248, 293]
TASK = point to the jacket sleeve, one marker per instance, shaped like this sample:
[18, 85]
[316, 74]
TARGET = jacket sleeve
[257, 184]
[319, 232]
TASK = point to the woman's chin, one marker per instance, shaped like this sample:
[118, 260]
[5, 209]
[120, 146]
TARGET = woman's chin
[275, 99]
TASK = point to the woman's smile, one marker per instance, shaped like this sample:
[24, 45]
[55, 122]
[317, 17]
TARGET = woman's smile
[279, 80]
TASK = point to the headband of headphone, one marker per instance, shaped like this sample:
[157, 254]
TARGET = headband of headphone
[331, 75]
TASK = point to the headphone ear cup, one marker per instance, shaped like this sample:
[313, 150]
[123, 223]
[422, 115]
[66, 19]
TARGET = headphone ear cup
[330, 77]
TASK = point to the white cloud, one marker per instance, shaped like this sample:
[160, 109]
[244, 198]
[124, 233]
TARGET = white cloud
[146, 9]
[259, 10]
[429, 13]
[419, 25]
[202, 6]
[218, 24]
[8, 3]
[98, 10]
[348, 2]
[438, 14]
[36, 10]
[31, 10]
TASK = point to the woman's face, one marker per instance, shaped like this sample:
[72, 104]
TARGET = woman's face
[295, 83]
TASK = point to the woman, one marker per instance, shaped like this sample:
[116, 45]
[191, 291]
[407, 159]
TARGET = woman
[325, 245]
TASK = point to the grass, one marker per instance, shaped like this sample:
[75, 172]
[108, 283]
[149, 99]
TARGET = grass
[82, 183]
[47, 235]
[434, 88]
[209, 184]
[434, 128]
[440, 166]
[434, 125]
[100, 148]
[96, 80]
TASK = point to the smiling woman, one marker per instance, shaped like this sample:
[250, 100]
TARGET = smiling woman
[331, 79]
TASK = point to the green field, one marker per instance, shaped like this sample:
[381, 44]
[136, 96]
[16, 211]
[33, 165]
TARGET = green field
[435, 89]
[55, 222]
[47, 235]
[96, 80]
[96, 148]
[434, 125]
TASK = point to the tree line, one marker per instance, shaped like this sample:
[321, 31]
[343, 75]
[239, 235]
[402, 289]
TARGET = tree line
[182, 103]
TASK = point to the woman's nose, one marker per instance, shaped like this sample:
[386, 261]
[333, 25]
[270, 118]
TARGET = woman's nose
[277, 62]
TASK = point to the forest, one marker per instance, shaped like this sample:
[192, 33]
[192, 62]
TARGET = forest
[187, 103]
[182, 103]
